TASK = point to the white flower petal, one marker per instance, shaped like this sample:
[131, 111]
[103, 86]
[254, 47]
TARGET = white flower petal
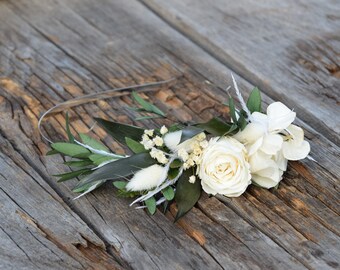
[281, 161]
[260, 161]
[251, 133]
[148, 178]
[297, 133]
[279, 117]
[252, 149]
[293, 151]
[268, 177]
[272, 143]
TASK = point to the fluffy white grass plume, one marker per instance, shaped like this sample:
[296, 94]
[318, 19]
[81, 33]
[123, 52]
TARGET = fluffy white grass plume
[147, 178]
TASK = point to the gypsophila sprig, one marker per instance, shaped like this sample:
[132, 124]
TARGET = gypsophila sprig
[176, 163]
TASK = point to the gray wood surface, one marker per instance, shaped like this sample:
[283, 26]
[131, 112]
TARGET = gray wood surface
[54, 50]
[291, 49]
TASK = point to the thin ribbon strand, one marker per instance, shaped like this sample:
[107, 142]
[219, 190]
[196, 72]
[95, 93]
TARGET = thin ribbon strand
[116, 92]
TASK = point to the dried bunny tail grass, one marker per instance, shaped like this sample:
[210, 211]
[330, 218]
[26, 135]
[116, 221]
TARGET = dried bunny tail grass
[240, 98]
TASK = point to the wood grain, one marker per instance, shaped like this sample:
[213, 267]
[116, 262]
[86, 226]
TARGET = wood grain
[54, 51]
[290, 49]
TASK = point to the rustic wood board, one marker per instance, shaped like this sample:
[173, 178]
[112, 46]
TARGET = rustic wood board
[54, 51]
[291, 49]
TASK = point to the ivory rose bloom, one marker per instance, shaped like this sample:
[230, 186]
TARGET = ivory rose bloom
[224, 168]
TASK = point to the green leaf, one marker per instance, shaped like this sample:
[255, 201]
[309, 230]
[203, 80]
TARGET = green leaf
[168, 193]
[165, 206]
[68, 131]
[136, 109]
[147, 106]
[172, 173]
[120, 184]
[70, 149]
[189, 132]
[71, 175]
[79, 163]
[254, 101]
[120, 168]
[92, 142]
[175, 127]
[88, 186]
[233, 130]
[151, 205]
[232, 110]
[176, 164]
[135, 146]
[128, 194]
[52, 152]
[187, 194]
[146, 117]
[215, 126]
[119, 131]
[99, 159]
[242, 122]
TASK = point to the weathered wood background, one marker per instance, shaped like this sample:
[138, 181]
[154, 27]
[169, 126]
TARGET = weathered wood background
[51, 51]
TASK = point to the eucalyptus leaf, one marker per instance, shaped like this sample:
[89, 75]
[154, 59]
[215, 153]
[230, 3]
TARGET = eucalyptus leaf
[120, 184]
[168, 193]
[119, 131]
[92, 142]
[254, 101]
[187, 194]
[127, 194]
[135, 146]
[151, 205]
[119, 169]
[70, 149]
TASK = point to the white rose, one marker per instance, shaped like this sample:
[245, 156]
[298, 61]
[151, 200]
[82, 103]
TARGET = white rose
[224, 168]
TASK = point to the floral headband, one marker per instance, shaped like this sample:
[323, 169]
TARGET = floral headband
[175, 163]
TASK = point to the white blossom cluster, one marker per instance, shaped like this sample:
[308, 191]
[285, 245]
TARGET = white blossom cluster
[150, 141]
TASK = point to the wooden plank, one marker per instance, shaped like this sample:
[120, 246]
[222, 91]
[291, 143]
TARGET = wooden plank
[125, 233]
[52, 62]
[290, 49]
[30, 236]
